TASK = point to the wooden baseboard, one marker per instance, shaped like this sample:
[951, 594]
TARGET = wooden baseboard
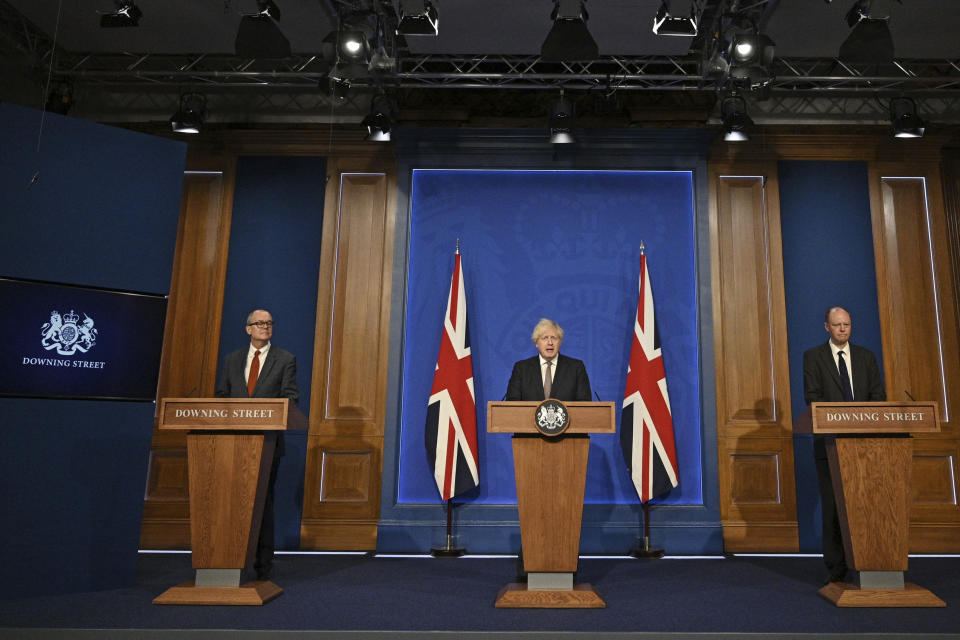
[844, 594]
[165, 534]
[338, 536]
[254, 593]
[935, 538]
[517, 596]
[740, 537]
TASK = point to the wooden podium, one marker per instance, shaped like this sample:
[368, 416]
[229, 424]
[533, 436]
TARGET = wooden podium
[871, 459]
[230, 448]
[551, 473]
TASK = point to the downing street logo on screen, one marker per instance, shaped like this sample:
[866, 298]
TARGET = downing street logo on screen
[64, 334]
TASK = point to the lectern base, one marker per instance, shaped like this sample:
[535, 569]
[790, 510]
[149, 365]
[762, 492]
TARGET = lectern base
[257, 592]
[517, 596]
[844, 594]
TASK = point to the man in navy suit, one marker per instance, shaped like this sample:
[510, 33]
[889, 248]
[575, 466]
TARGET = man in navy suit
[529, 381]
[261, 371]
[568, 377]
[837, 371]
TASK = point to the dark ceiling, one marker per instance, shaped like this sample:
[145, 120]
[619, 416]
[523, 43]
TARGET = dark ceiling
[137, 74]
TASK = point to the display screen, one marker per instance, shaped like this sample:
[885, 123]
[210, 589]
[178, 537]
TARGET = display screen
[65, 341]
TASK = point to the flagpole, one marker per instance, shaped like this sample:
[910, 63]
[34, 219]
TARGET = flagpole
[448, 550]
[643, 549]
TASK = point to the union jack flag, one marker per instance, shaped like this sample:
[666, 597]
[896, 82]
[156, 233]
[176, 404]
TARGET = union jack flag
[451, 430]
[646, 424]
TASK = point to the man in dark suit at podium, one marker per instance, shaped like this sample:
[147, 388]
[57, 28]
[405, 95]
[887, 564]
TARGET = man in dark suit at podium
[261, 371]
[548, 374]
[837, 371]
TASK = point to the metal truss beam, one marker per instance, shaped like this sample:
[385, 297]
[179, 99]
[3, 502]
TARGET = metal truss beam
[811, 75]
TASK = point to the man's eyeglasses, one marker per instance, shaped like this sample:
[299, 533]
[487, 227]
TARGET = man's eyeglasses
[263, 324]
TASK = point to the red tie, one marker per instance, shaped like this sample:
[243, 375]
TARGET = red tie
[254, 372]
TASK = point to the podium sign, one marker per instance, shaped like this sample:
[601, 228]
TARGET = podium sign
[871, 458]
[551, 474]
[230, 445]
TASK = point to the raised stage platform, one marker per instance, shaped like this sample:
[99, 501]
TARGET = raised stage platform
[364, 596]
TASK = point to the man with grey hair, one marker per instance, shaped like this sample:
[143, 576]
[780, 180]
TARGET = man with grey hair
[548, 374]
[261, 370]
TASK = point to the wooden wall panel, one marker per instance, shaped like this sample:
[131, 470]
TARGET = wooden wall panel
[919, 332]
[188, 364]
[345, 442]
[755, 445]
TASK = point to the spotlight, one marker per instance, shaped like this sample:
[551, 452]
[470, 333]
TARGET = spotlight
[379, 121]
[561, 121]
[353, 46]
[667, 24]
[127, 14]
[569, 38]
[259, 36]
[749, 55]
[189, 117]
[418, 18]
[869, 40]
[733, 110]
[903, 116]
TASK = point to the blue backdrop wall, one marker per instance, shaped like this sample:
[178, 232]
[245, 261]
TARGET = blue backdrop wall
[556, 233]
[563, 245]
[827, 261]
[273, 260]
[98, 206]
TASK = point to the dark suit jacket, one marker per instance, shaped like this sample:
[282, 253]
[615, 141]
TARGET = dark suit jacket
[277, 379]
[570, 381]
[821, 380]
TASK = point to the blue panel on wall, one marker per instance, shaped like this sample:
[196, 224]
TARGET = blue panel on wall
[565, 245]
[84, 208]
[274, 258]
[91, 205]
[827, 260]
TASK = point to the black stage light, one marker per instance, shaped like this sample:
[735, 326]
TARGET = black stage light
[418, 18]
[353, 46]
[736, 120]
[569, 39]
[561, 120]
[667, 24]
[259, 36]
[379, 121]
[127, 14]
[191, 114]
[869, 40]
[903, 116]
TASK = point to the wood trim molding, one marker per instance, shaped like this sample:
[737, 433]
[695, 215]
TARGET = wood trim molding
[754, 436]
[351, 350]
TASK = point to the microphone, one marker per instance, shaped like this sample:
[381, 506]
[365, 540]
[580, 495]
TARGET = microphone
[909, 395]
[597, 396]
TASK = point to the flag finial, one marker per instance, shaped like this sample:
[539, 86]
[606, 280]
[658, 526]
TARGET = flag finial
[458, 245]
[642, 247]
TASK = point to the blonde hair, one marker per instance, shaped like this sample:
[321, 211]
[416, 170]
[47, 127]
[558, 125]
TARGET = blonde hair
[544, 325]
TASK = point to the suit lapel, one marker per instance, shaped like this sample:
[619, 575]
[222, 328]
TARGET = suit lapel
[826, 355]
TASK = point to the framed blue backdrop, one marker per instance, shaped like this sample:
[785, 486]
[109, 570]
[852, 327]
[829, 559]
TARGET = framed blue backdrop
[563, 244]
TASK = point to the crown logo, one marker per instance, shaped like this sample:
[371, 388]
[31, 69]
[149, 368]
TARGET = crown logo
[71, 317]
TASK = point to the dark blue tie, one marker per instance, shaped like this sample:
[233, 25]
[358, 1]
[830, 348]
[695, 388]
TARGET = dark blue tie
[844, 378]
